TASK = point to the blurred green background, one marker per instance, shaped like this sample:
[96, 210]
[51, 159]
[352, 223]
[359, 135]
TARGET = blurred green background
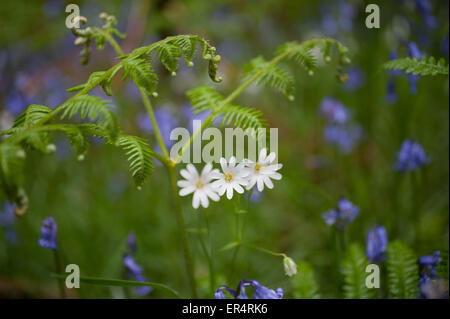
[96, 206]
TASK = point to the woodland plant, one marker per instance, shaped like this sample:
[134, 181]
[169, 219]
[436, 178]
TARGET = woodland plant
[84, 115]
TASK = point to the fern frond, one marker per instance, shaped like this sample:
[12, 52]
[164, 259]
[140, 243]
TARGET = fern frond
[272, 75]
[36, 140]
[169, 54]
[304, 284]
[302, 55]
[139, 155]
[354, 272]
[204, 98]
[31, 115]
[243, 117]
[11, 168]
[141, 72]
[424, 66]
[403, 271]
[95, 109]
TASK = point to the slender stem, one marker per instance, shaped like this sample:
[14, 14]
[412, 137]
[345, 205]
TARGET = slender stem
[151, 114]
[57, 261]
[208, 258]
[182, 228]
[264, 250]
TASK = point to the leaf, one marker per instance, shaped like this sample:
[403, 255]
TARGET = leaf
[139, 155]
[229, 246]
[270, 75]
[304, 284]
[169, 54]
[120, 283]
[442, 267]
[204, 98]
[425, 66]
[12, 159]
[354, 272]
[302, 55]
[95, 109]
[403, 271]
[141, 72]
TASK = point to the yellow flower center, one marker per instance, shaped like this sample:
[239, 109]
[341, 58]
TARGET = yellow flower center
[228, 177]
[257, 168]
[199, 184]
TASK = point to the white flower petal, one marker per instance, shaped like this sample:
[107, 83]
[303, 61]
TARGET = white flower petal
[186, 174]
[204, 200]
[196, 200]
[187, 190]
[184, 183]
[206, 169]
[262, 155]
[232, 161]
[268, 182]
[229, 192]
[270, 158]
[191, 169]
[211, 194]
[238, 188]
[260, 184]
[223, 163]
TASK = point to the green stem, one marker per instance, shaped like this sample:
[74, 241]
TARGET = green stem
[264, 250]
[182, 228]
[208, 258]
[57, 261]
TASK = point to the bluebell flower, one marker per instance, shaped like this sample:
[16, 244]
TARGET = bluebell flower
[444, 45]
[334, 111]
[410, 157]
[430, 285]
[415, 53]
[345, 213]
[7, 220]
[391, 95]
[49, 232]
[356, 79]
[346, 15]
[425, 9]
[259, 291]
[132, 268]
[256, 196]
[376, 243]
[345, 137]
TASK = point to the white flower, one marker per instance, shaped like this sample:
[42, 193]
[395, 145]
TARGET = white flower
[261, 172]
[290, 267]
[198, 184]
[233, 177]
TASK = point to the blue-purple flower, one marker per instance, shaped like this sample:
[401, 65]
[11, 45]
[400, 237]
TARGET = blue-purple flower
[7, 220]
[132, 268]
[376, 243]
[356, 79]
[334, 111]
[415, 53]
[259, 291]
[345, 213]
[49, 232]
[430, 285]
[410, 157]
[425, 9]
[345, 137]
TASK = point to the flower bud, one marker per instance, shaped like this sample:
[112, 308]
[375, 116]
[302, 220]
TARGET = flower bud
[290, 268]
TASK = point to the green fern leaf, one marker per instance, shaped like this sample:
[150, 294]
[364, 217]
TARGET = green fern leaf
[95, 109]
[302, 55]
[354, 272]
[425, 66]
[36, 140]
[272, 75]
[304, 284]
[403, 272]
[140, 157]
[204, 98]
[141, 72]
[169, 54]
[12, 158]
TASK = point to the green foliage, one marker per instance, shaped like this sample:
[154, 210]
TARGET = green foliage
[403, 272]
[139, 155]
[139, 69]
[28, 118]
[304, 284]
[354, 272]
[204, 98]
[302, 55]
[424, 66]
[95, 109]
[442, 268]
[270, 75]
[12, 158]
